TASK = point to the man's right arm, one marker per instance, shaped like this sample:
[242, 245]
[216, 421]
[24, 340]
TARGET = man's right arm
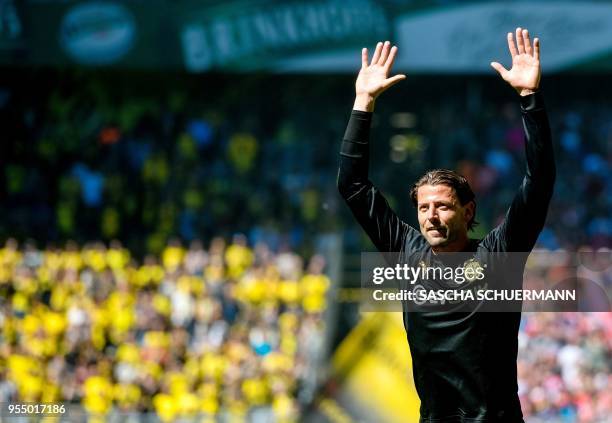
[367, 203]
[385, 229]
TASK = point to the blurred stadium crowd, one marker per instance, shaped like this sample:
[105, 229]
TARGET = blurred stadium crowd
[109, 157]
[237, 327]
[226, 331]
[564, 367]
[106, 156]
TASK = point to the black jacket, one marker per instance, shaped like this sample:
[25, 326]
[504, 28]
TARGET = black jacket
[464, 365]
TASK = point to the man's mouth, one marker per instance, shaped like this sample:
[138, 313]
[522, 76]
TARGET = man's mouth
[437, 231]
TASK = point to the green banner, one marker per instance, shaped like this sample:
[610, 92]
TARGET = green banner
[249, 35]
[102, 33]
[298, 35]
[12, 39]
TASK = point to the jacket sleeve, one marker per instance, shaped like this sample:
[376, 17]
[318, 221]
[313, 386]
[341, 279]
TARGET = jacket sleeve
[525, 218]
[367, 203]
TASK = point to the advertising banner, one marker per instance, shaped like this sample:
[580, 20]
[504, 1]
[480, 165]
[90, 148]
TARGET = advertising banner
[298, 36]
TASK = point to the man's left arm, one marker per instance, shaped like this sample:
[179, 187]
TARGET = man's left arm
[525, 218]
[527, 213]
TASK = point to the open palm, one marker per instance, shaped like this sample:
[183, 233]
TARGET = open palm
[524, 76]
[373, 77]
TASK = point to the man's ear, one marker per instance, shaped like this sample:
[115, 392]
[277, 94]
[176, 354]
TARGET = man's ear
[468, 211]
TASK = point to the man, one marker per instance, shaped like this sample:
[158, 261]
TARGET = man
[464, 365]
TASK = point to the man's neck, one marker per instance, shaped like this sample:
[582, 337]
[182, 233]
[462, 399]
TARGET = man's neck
[456, 246]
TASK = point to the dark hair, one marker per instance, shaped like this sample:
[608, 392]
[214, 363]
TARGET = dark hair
[452, 179]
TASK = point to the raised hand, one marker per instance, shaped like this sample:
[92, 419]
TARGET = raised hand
[373, 77]
[525, 74]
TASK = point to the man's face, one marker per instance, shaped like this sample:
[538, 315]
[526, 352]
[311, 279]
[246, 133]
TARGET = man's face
[442, 218]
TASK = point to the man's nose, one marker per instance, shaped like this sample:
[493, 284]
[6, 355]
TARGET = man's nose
[432, 213]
